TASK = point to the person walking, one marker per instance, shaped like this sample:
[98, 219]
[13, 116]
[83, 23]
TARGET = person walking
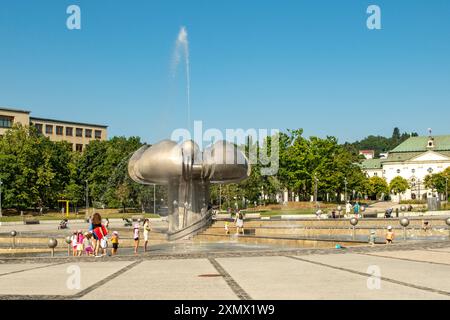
[356, 208]
[136, 237]
[147, 230]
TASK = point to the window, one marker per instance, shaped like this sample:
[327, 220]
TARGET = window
[98, 134]
[48, 129]
[79, 132]
[59, 130]
[69, 131]
[79, 147]
[398, 170]
[88, 133]
[6, 122]
[375, 174]
[38, 127]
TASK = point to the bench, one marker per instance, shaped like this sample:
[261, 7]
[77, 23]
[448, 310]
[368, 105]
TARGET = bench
[30, 220]
[137, 218]
[370, 215]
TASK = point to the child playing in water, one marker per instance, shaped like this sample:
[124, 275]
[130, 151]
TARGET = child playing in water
[372, 238]
[389, 235]
[88, 244]
[74, 243]
[115, 243]
[80, 239]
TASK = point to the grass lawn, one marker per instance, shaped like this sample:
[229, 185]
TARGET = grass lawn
[59, 216]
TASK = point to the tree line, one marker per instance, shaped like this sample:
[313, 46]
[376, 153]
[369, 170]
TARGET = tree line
[37, 172]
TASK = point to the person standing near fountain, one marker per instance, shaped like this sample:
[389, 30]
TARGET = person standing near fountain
[147, 230]
[239, 220]
[136, 238]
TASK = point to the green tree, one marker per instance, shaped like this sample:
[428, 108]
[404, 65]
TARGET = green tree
[398, 185]
[377, 187]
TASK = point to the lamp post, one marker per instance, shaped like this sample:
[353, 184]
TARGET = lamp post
[220, 197]
[87, 199]
[154, 198]
[345, 192]
[1, 182]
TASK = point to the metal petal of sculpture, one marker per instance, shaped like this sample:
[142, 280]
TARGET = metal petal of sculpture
[188, 172]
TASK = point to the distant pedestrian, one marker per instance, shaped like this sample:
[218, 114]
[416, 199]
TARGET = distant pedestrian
[389, 235]
[356, 209]
[348, 209]
[136, 238]
[147, 230]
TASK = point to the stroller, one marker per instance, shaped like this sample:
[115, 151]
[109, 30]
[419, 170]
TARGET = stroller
[388, 213]
[126, 222]
[64, 224]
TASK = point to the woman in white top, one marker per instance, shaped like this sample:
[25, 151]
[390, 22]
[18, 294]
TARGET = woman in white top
[147, 230]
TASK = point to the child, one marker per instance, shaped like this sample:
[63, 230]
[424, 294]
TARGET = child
[74, 243]
[136, 237]
[226, 228]
[115, 243]
[389, 235]
[372, 238]
[87, 244]
[80, 239]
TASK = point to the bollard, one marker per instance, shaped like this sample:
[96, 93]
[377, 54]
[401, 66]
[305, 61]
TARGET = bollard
[404, 222]
[354, 222]
[13, 236]
[52, 243]
[68, 241]
[447, 221]
[403, 209]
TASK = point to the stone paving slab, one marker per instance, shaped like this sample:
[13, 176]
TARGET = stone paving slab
[52, 280]
[441, 249]
[167, 279]
[418, 255]
[415, 273]
[8, 268]
[284, 278]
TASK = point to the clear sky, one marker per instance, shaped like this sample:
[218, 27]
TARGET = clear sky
[254, 64]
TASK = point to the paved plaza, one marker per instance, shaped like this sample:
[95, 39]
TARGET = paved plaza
[405, 271]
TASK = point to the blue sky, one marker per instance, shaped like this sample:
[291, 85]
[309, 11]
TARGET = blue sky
[254, 64]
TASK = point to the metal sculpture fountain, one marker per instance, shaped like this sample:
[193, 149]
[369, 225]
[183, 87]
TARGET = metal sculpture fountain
[188, 173]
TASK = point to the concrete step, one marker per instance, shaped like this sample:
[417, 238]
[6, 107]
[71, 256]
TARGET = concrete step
[277, 241]
[317, 232]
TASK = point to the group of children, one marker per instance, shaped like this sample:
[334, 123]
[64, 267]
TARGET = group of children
[85, 244]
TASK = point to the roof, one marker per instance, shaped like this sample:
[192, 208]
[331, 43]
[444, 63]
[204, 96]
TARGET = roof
[68, 122]
[419, 144]
[14, 110]
[372, 164]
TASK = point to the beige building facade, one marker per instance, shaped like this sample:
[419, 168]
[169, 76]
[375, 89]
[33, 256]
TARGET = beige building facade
[77, 133]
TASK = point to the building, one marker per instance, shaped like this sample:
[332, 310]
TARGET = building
[368, 154]
[77, 133]
[413, 160]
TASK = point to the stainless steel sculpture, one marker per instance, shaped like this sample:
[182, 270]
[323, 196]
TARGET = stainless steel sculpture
[188, 173]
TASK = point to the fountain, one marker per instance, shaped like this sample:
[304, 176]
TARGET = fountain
[188, 173]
